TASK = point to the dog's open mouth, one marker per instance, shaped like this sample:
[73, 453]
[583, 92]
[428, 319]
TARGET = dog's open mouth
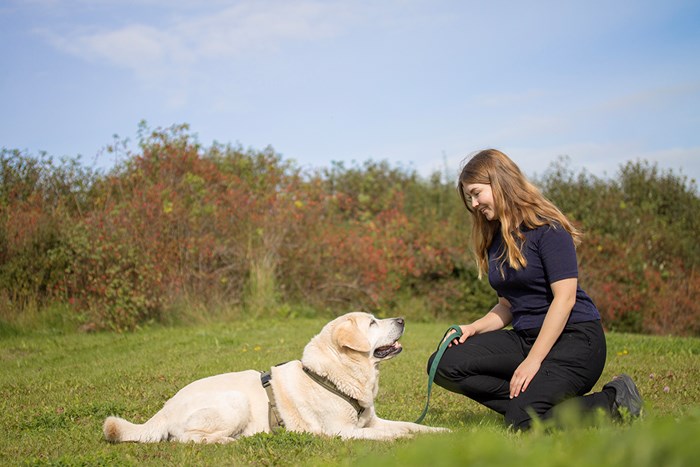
[388, 350]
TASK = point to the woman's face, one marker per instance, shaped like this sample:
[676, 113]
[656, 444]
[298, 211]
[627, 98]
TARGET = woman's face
[481, 198]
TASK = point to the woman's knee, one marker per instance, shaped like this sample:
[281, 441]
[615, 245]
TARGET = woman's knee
[442, 377]
[430, 362]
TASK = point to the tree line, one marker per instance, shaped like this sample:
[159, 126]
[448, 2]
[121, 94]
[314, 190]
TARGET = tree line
[176, 226]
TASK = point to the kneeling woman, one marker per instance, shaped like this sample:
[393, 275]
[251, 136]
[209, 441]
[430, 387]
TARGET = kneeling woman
[556, 348]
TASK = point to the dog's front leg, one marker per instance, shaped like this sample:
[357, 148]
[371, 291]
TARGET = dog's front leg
[404, 427]
[374, 433]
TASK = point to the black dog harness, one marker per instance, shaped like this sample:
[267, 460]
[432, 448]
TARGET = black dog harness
[275, 419]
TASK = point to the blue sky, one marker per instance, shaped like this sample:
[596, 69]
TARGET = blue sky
[419, 83]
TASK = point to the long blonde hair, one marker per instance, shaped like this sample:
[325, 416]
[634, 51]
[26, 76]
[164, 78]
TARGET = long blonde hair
[516, 202]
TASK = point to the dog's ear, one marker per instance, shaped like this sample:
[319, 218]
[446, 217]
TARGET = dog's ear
[347, 334]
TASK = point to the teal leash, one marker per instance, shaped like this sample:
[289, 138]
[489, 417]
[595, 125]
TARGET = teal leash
[433, 368]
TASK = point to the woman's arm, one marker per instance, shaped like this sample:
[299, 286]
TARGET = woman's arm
[564, 299]
[497, 318]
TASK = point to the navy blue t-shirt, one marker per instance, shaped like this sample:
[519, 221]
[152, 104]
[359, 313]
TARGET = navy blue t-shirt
[551, 256]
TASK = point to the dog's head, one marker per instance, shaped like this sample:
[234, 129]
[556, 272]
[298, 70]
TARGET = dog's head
[348, 350]
[363, 333]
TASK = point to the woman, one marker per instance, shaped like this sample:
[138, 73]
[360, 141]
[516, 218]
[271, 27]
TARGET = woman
[556, 348]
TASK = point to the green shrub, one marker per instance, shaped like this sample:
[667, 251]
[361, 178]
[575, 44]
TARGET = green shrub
[226, 227]
[640, 254]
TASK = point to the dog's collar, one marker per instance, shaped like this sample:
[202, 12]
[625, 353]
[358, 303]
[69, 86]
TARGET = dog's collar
[328, 385]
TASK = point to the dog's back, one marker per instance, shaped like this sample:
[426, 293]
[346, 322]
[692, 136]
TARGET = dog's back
[228, 405]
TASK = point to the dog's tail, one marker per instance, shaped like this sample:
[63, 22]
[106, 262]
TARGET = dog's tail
[117, 430]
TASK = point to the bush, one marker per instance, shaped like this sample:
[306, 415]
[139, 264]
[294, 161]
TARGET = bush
[640, 253]
[225, 226]
[39, 199]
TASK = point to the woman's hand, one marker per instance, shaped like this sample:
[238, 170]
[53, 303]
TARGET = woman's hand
[468, 330]
[523, 375]
[497, 318]
[564, 298]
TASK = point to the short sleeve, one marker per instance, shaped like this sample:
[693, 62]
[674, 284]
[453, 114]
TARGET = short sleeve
[558, 254]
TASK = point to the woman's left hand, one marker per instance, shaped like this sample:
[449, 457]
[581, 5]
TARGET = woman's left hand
[522, 376]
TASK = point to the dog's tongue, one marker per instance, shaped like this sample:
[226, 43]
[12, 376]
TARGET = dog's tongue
[395, 345]
[387, 350]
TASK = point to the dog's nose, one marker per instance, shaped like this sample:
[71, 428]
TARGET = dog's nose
[400, 321]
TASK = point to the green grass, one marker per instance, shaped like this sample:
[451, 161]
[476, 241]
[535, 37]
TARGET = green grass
[57, 388]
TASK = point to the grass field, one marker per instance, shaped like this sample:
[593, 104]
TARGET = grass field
[57, 388]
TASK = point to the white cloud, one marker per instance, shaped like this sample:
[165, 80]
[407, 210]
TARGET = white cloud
[170, 54]
[250, 26]
[134, 47]
[256, 26]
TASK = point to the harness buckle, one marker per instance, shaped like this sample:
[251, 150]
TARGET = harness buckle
[265, 378]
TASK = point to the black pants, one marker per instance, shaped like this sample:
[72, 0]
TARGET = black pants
[481, 369]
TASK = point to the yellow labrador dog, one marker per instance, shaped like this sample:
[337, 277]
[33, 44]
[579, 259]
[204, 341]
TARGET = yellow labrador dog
[330, 391]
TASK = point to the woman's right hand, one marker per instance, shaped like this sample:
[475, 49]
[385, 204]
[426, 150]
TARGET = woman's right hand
[468, 330]
[498, 318]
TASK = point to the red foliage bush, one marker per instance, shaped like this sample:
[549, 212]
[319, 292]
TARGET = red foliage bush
[176, 221]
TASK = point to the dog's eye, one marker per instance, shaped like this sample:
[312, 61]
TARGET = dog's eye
[373, 323]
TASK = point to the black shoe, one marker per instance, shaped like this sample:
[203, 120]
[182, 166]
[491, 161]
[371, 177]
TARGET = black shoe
[626, 395]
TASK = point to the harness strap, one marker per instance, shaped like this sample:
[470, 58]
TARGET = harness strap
[274, 417]
[442, 346]
[325, 383]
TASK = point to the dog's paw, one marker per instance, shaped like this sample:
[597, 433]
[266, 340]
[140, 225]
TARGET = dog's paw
[438, 429]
